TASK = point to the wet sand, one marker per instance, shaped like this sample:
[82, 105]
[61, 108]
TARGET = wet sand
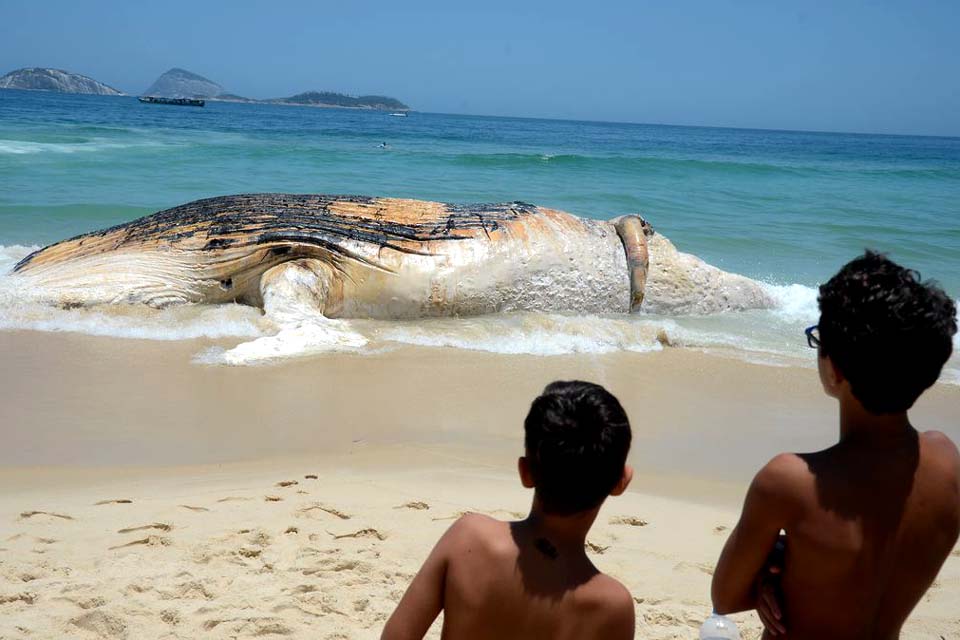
[140, 493]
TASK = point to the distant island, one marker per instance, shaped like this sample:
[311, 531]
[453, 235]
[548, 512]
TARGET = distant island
[180, 83]
[56, 80]
[330, 99]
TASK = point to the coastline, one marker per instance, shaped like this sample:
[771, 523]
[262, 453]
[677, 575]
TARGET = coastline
[214, 542]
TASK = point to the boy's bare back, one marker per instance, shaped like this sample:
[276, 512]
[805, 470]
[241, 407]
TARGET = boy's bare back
[499, 580]
[870, 527]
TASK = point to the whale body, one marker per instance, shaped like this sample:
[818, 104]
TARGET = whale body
[365, 257]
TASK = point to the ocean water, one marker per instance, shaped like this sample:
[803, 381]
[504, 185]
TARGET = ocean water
[786, 208]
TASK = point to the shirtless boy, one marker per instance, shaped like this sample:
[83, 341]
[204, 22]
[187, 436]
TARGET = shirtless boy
[870, 520]
[532, 579]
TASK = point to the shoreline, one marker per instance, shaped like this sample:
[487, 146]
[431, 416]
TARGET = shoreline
[81, 400]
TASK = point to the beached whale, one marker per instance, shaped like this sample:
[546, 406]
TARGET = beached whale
[361, 257]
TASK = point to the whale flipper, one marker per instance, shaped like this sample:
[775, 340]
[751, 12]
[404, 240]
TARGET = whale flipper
[299, 289]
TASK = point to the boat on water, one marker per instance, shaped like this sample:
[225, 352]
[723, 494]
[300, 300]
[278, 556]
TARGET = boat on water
[399, 114]
[180, 102]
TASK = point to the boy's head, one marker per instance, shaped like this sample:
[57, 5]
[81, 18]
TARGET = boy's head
[887, 334]
[576, 438]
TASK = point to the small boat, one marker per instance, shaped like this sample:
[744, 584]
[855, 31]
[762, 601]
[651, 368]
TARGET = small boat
[180, 102]
[399, 114]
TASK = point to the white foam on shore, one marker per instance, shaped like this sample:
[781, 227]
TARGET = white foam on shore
[794, 302]
[525, 334]
[308, 338]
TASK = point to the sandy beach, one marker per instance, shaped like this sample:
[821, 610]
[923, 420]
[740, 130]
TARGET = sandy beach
[143, 495]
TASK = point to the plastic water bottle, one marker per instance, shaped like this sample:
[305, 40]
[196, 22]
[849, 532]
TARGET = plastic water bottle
[718, 627]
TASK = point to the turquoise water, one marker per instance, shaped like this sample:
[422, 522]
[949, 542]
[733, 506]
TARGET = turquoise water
[784, 207]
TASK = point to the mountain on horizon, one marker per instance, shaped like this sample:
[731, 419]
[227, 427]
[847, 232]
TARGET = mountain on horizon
[180, 83]
[56, 81]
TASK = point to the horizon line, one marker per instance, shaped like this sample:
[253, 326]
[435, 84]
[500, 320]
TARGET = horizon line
[265, 102]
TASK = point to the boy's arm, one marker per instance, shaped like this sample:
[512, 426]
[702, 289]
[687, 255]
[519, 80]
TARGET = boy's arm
[766, 510]
[423, 601]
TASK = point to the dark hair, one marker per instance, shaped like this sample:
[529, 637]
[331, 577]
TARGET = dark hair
[887, 333]
[577, 437]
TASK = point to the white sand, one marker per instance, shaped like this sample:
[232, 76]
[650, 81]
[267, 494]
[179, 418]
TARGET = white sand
[220, 550]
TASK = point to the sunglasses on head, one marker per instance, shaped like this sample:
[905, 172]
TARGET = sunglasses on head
[813, 336]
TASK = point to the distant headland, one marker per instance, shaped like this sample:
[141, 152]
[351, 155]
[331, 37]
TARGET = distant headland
[180, 83]
[56, 80]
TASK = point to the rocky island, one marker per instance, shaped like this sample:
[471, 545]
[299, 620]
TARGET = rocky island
[180, 83]
[331, 99]
[56, 80]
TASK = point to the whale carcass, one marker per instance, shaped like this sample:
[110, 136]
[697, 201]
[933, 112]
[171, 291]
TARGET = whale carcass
[364, 257]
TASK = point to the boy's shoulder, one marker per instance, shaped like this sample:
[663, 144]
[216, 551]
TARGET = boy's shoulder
[785, 473]
[605, 591]
[942, 445]
[607, 601]
[476, 530]
[941, 457]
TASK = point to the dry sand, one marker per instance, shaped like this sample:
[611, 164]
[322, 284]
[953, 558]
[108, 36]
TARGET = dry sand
[142, 496]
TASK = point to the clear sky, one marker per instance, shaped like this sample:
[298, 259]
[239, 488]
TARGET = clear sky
[872, 66]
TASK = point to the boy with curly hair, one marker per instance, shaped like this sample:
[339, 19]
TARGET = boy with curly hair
[870, 520]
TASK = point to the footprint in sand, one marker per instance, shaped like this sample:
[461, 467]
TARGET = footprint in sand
[596, 548]
[192, 508]
[30, 514]
[85, 603]
[150, 541]
[115, 501]
[310, 476]
[331, 510]
[418, 506]
[287, 483]
[24, 596]
[292, 530]
[234, 499]
[272, 499]
[629, 520]
[458, 514]
[720, 528]
[694, 566]
[101, 624]
[161, 526]
[362, 533]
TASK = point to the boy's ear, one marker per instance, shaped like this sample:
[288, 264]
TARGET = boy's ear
[830, 376]
[523, 467]
[624, 481]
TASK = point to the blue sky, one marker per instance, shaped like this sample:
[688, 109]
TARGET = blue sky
[888, 67]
